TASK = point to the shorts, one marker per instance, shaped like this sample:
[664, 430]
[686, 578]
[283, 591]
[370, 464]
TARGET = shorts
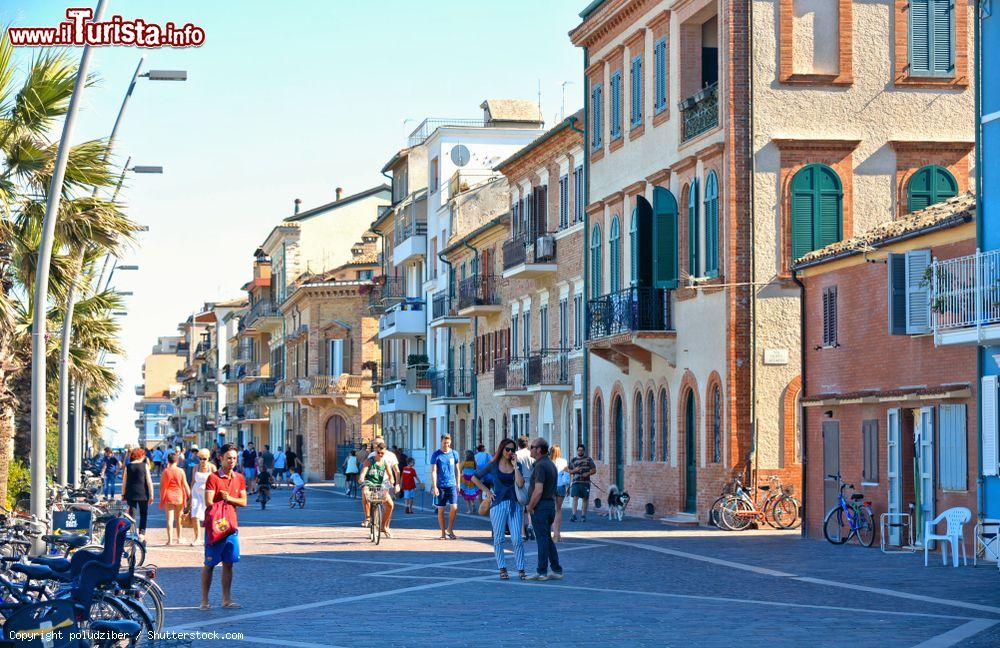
[561, 491]
[249, 472]
[447, 496]
[408, 494]
[224, 551]
[580, 489]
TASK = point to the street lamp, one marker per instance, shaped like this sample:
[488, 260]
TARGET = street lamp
[166, 75]
[146, 169]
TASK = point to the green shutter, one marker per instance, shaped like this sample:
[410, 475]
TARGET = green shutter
[614, 255]
[930, 185]
[711, 225]
[920, 41]
[817, 209]
[665, 238]
[932, 37]
[693, 229]
[595, 262]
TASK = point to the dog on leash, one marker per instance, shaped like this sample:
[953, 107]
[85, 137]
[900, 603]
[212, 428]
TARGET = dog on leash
[617, 503]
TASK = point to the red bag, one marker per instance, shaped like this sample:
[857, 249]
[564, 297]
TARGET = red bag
[220, 521]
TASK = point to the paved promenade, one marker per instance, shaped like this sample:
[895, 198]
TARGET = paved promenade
[311, 578]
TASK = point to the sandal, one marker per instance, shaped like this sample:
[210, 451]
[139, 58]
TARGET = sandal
[522, 575]
[366, 523]
[504, 575]
[452, 536]
[386, 533]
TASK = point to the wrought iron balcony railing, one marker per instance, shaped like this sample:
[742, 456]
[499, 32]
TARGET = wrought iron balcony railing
[451, 383]
[261, 387]
[510, 374]
[480, 290]
[700, 112]
[529, 248]
[443, 305]
[629, 310]
[548, 367]
[384, 295]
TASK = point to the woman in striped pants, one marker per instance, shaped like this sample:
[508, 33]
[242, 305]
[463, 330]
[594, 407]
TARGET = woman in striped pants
[505, 511]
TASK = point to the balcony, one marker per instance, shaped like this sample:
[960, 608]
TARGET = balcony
[314, 391]
[700, 112]
[410, 231]
[243, 355]
[386, 294]
[406, 319]
[965, 299]
[632, 324]
[140, 390]
[480, 296]
[450, 386]
[510, 377]
[183, 348]
[139, 407]
[445, 312]
[263, 316]
[529, 256]
[418, 379]
[396, 397]
[429, 125]
[548, 370]
[261, 388]
[252, 413]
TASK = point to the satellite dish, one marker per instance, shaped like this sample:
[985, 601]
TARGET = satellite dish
[460, 155]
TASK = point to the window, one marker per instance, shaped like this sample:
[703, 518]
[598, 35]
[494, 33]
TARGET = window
[597, 109]
[711, 225]
[637, 415]
[693, 229]
[830, 317]
[869, 451]
[664, 238]
[616, 105]
[543, 327]
[928, 186]
[716, 425]
[563, 324]
[577, 321]
[952, 452]
[595, 262]
[335, 357]
[365, 274]
[660, 71]
[817, 214]
[515, 218]
[664, 427]
[598, 440]
[563, 201]
[615, 255]
[526, 333]
[435, 176]
[651, 428]
[932, 38]
[909, 293]
[636, 91]
[579, 200]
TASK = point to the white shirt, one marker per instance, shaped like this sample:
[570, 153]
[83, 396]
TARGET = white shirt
[389, 458]
[561, 464]
[297, 479]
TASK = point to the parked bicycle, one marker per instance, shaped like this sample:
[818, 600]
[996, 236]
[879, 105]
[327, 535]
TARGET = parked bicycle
[739, 508]
[849, 518]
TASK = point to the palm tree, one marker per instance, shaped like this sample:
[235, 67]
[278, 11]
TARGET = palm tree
[87, 226]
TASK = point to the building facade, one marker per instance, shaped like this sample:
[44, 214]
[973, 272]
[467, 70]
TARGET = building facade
[159, 379]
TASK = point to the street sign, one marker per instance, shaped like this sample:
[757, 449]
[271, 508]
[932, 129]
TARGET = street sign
[72, 522]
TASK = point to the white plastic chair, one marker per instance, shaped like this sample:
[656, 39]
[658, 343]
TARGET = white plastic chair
[956, 518]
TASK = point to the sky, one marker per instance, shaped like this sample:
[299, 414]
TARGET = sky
[286, 100]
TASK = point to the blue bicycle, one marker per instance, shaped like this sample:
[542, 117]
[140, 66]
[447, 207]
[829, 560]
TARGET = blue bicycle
[849, 518]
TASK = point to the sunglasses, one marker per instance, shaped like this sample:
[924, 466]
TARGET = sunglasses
[509, 449]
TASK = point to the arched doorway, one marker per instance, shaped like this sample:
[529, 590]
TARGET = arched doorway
[618, 416]
[565, 426]
[690, 458]
[335, 440]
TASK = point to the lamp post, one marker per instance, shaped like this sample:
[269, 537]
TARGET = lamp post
[38, 332]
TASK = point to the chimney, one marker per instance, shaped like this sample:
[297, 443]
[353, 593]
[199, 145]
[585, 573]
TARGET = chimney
[340, 192]
[298, 201]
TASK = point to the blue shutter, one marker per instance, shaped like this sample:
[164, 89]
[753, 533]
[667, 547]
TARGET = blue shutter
[920, 40]
[633, 244]
[563, 201]
[943, 34]
[614, 255]
[952, 454]
[693, 229]
[597, 109]
[637, 91]
[616, 105]
[595, 262]
[660, 65]
[578, 193]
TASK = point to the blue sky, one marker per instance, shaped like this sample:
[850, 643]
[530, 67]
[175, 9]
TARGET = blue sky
[288, 100]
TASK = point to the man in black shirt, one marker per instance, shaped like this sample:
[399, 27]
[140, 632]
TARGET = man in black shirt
[542, 509]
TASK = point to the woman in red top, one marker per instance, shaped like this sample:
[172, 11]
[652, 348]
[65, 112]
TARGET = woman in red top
[174, 494]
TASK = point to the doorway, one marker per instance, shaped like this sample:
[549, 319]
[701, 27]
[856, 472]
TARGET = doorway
[335, 435]
[690, 456]
[831, 464]
[923, 447]
[619, 423]
[894, 462]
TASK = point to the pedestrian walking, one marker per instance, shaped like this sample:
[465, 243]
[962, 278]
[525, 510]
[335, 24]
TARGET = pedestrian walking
[109, 471]
[137, 488]
[505, 511]
[229, 486]
[542, 509]
[525, 462]
[470, 492]
[174, 494]
[410, 479]
[444, 484]
[267, 459]
[157, 460]
[249, 459]
[351, 470]
[562, 488]
[279, 465]
[201, 475]
[291, 459]
[581, 469]
[191, 463]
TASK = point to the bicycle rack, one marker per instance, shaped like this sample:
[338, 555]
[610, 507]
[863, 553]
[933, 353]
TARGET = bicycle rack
[895, 520]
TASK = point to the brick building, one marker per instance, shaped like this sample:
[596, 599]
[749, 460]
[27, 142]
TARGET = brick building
[721, 146]
[883, 405]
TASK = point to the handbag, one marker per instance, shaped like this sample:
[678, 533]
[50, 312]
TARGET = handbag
[186, 518]
[220, 522]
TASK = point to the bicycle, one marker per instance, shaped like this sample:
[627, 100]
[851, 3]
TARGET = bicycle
[352, 487]
[737, 510]
[298, 499]
[854, 516]
[263, 496]
[376, 501]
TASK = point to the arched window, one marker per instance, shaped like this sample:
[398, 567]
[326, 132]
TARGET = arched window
[493, 435]
[595, 262]
[615, 255]
[637, 415]
[664, 427]
[817, 209]
[711, 225]
[651, 428]
[693, 226]
[633, 248]
[930, 185]
[597, 442]
[716, 424]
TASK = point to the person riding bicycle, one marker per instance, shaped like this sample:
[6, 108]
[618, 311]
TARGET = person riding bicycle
[297, 482]
[264, 483]
[376, 473]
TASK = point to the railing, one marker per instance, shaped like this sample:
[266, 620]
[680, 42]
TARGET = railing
[966, 291]
[253, 411]
[388, 319]
[628, 310]
[442, 305]
[392, 290]
[140, 390]
[700, 112]
[418, 377]
[548, 367]
[451, 383]
[261, 387]
[429, 125]
[202, 348]
[500, 374]
[243, 355]
[408, 225]
[529, 248]
[263, 308]
[183, 348]
[482, 290]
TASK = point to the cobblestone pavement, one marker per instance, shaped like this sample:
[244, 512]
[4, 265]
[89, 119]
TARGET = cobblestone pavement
[311, 578]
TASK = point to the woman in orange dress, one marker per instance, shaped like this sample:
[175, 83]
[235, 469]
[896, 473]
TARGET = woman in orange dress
[174, 493]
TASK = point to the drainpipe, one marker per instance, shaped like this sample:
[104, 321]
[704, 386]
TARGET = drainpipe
[585, 417]
[980, 244]
[475, 336]
[802, 392]
[753, 250]
[447, 408]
